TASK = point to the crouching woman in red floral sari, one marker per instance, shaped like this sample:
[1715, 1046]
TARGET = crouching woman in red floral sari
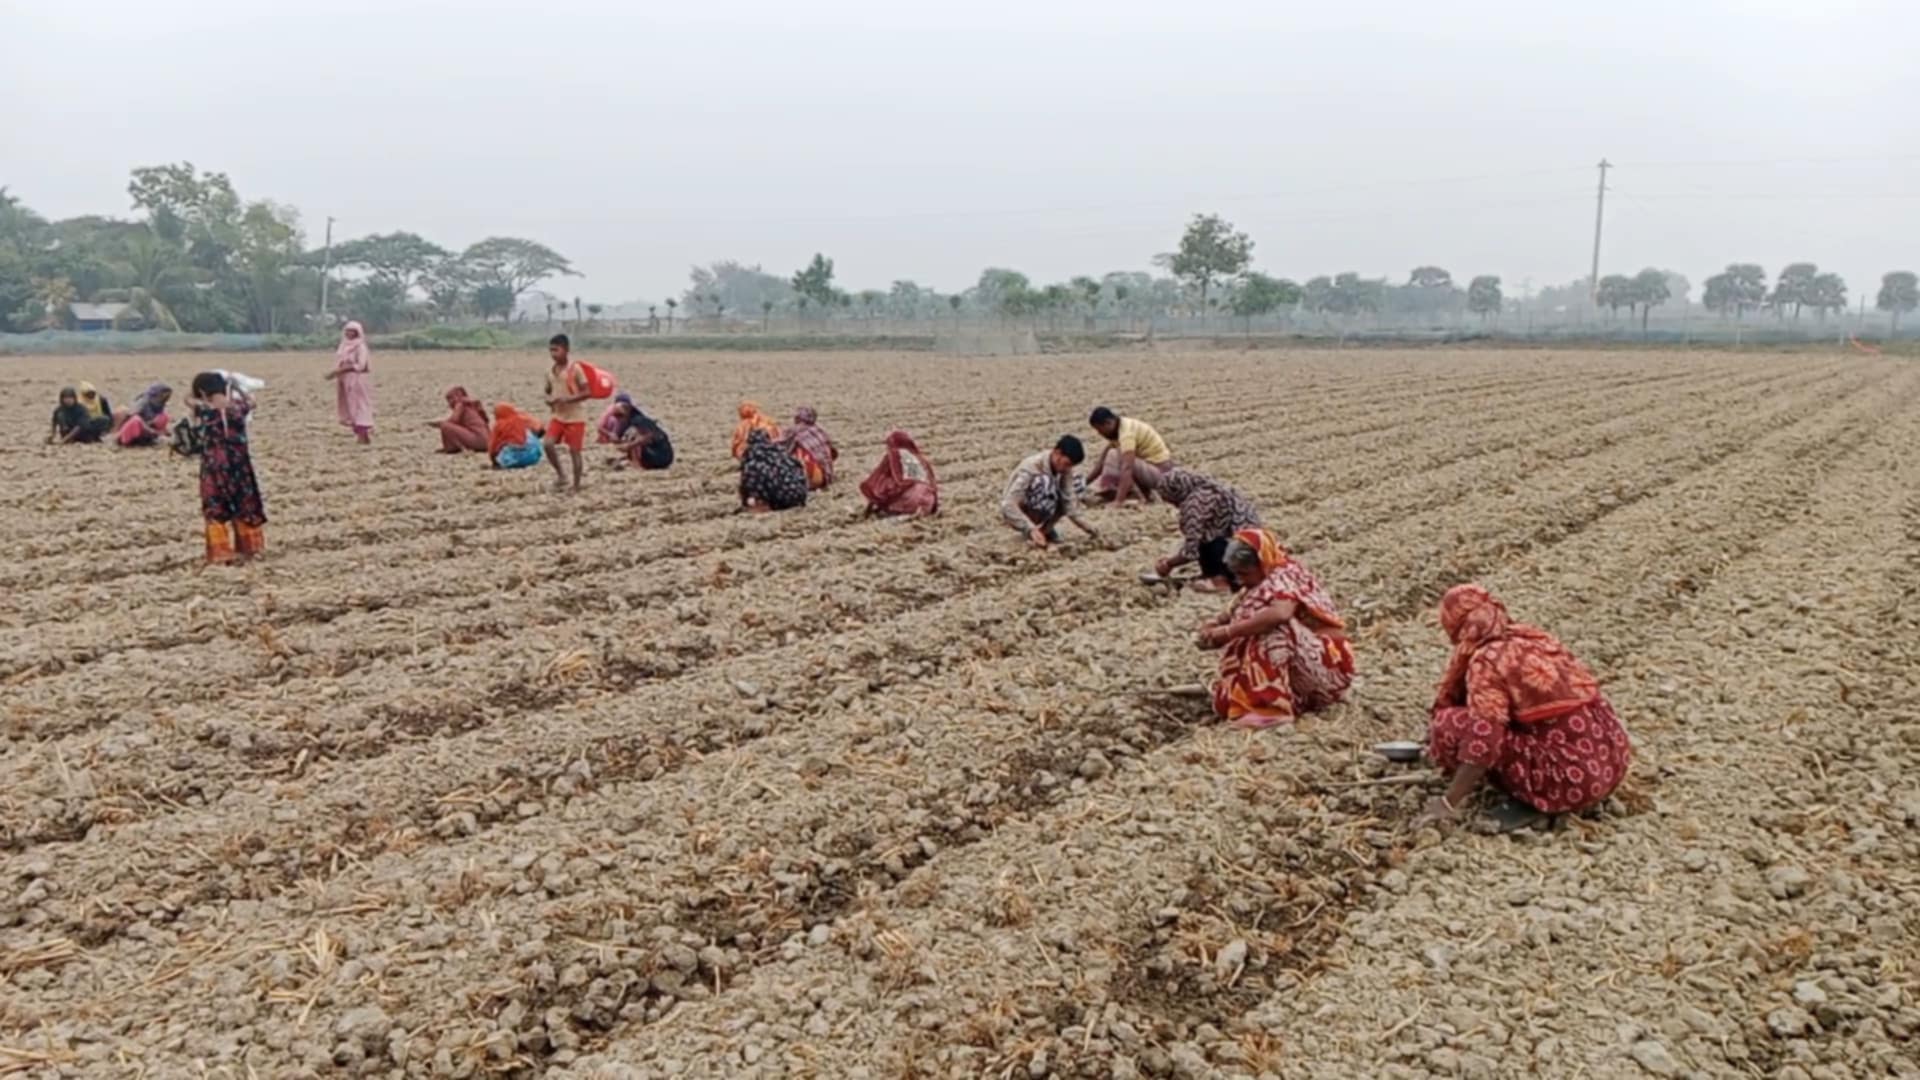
[1517, 708]
[1283, 648]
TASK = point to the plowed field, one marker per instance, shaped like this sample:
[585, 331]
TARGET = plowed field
[468, 777]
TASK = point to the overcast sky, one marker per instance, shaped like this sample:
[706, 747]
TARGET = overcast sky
[926, 141]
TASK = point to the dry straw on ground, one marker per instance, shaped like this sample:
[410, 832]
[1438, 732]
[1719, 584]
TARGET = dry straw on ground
[470, 779]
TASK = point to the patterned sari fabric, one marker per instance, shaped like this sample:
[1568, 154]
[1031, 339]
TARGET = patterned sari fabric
[771, 477]
[1209, 510]
[1517, 703]
[229, 492]
[903, 483]
[1303, 665]
[812, 447]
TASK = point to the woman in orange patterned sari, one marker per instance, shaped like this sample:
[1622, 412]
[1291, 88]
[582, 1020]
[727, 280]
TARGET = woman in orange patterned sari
[1283, 648]
[1515, 707]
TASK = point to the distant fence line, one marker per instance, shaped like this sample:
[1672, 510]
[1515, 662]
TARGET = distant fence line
[993, 337]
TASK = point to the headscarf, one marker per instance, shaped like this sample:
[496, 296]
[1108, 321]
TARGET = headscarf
[91, 401]
[460, 404]
[148, 405]
[1550, 679]
[891, 478]
[510, 428]
[751, 420]
[806, 436]
[68, 417]
[1295, 582]
[352, 354]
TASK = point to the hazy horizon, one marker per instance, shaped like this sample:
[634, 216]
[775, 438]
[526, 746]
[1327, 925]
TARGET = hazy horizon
[1057, 141]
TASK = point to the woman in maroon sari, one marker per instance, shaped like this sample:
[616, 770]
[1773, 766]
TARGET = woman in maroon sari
[1516, 708]
[466, 428]
[903, 484]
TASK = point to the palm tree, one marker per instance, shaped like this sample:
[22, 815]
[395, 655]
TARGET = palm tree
[55, 295]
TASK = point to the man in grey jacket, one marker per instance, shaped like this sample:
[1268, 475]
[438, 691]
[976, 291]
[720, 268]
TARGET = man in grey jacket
[1042, 491]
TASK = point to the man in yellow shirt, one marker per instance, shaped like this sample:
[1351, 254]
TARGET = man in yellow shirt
[1134, 460]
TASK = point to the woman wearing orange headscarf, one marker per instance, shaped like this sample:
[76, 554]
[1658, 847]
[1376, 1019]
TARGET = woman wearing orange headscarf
[515, 441]
[1283, 647]
[752, 420]
[465, 427]
[1517, 708]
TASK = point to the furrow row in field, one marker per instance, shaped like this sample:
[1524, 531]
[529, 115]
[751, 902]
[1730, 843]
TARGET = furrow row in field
[1267, 856]
[609, 959]
[1088, 641]
[614, 513]
[199, 778]
[582, 556]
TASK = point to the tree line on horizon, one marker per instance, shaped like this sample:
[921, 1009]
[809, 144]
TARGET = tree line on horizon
[197, 257]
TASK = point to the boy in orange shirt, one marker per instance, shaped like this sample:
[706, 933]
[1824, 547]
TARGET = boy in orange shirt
[567, 394]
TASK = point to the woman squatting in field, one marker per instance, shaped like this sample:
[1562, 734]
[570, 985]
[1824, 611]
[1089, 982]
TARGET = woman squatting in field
[1516, 708]
[466, 428]
[1043, 492]
[903, 484]
[1283, 648]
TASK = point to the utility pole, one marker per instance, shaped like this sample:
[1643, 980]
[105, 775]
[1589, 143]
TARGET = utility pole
[1599, 216]
[326, 266]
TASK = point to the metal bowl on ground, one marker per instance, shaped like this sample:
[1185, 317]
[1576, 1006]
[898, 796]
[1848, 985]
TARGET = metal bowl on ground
[1403, 751]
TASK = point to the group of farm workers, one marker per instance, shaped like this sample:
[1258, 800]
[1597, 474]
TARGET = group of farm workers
[1515, 709]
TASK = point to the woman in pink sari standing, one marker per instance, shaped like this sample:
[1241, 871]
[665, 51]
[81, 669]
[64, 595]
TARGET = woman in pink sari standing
[353, 380]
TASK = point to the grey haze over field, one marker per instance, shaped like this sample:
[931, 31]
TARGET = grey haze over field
[930, 141]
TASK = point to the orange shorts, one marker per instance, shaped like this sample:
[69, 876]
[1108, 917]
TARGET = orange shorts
[573, 436]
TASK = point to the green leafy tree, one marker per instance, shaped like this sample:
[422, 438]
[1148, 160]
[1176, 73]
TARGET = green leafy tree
[377, 302]
[1259, 294]
[1001, 290]
[672, 306]
[494, 299]
[514, 264]
[54, 299]
[1721, 295]
[1318, 295]
[1210, 251]
[402, 260]
[1749, 286]
[447, 283]
[1355, 295]
[1827, 294]
[1649, 291]
[1430, 277]
[1615, 292]
[1794, 288]
[815, 282]
[1483, 296]
[1089, 292]
[594, 310]
[1899, 294]
[739, 286]
[766, 315]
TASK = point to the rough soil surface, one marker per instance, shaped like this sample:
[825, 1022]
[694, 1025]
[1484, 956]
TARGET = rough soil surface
[469, 778]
